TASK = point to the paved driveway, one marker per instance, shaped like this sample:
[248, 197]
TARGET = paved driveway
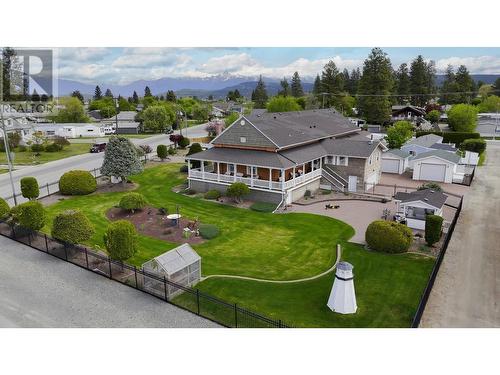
[467, 288]
[358, 214]
[38, 290]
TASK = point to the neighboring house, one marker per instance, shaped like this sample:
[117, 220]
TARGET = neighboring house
[282, 155]
[223, 109]
[395, 161]
[408, 112]
[437, 165]
[126, 123]
[70, 130]
[414, 207]
[427, 143]
[95, 115]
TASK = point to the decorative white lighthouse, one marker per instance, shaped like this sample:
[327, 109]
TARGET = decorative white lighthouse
[342, 297]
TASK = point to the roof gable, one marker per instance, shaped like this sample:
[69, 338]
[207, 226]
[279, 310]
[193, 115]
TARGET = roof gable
[425, 140]
[242, 128]
[429, 197]
[440, 154]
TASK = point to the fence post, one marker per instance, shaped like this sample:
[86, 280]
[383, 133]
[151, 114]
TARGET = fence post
[198, 300]
[165, 285]
[48, 191]
[66, 251]
[135, 272]
[87, 258]
[109, 264]
[235, 316]
[394, 190]
[46, 244]
[14, 231]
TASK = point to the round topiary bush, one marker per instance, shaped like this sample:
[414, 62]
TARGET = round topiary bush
[212, 194]
[208, 231]
[72, 226]
[31, 215]
[77, 183]
[29, 188]
[132, 202]
[162, 151]
[433, 227]
[388, 237]
[121, 240]
[237, 190]
[53, 147]
[194, 148]
[4, 208]
[184, 142]
[37, 148]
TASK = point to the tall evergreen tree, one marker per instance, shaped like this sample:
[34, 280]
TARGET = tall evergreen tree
[403, 84]
[78, 94]
[285, 88]
[317, 85]
[449, 86]
[352, 84]
[8, 60]
[431, 77]
[331, 84]
[375, 86]
[419, 81]
[465, 84]
[108, 93]
[297, 90]
[171, 96]
[147, 92]
[135, 97]
[97, 93]
[259, 95]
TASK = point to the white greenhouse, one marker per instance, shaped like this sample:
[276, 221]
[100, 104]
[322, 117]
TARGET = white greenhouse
[181, 265]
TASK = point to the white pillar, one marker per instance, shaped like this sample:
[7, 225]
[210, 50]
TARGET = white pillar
[218, 171]
[234, 174]
[189, 167]
[202, 169]
[320, 163]
[251, 175]
[282, 178]
[293, 177]
[270, 179]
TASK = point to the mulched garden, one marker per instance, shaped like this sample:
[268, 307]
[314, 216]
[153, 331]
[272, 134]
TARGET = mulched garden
[151, 222]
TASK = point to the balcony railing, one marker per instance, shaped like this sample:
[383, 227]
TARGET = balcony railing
[253, 182]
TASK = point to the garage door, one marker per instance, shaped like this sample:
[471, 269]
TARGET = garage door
[432, 172]
[390, 165]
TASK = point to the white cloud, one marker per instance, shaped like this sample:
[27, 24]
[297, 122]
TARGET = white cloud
[82, 54]
[477, 65]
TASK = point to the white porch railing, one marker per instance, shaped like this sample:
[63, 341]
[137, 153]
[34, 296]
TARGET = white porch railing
[253, 182]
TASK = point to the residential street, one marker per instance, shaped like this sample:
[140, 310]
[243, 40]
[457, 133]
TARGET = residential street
[50, 172]
[467, 288]
[38, 290]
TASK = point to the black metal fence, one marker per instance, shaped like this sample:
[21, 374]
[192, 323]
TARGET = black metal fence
[437, 265]
[193, 300]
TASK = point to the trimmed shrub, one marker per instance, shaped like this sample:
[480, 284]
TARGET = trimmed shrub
[430, 185]
[14, 214]
[77, 182]
[208, 231]
[53, 147]
[474, 145]
[72, 226]
[433, 226]
[29, 188]
[212, 194]
[120, 240]
[172, 151]
[183, 169]
[263, 207]
[31, 215]
[184, 142]
[22, 148]
[388, 237]
[4, 208]
[162, 151]
[194, 148]
[237, 190]
[37, 148]
[61, 141]
[132, 202]
[452, 137]
[433, 116]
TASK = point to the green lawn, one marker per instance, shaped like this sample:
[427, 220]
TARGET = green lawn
[27, 157]
[3, 170]
[278, 247]
[482, 159]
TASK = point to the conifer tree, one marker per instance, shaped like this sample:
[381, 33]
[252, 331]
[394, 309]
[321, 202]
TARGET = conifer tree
[285, 88]
[317, 85]
[147, 92]
[259, 95]
[403, 84]
[108, 93]
[97, 93]
[135, 98]
[296, 88]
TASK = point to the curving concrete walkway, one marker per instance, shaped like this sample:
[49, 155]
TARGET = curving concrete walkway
[339, 253]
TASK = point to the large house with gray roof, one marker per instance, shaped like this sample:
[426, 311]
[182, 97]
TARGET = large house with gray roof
[282, 155]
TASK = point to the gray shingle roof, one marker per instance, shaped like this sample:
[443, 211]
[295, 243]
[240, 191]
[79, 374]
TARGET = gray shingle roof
[425, 140]
[347, 147]
[429, 196]
[293, 128]
[397, 152]
[397, 108]
[305, 153]
[450, 156]
[444, 146]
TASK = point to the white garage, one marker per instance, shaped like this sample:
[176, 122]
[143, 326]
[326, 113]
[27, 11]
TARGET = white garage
[394, 161]
[437, 165]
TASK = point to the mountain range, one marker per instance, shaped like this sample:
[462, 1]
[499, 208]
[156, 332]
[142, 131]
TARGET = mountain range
[217, 86]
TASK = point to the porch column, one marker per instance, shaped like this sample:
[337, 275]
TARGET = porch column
[251, 175]
[312, 165]
[189, 167]
[270, 178]
[234, 174]
[320, 163]
[282, 178]
[218, 172]
[293, 177]
[203, 169]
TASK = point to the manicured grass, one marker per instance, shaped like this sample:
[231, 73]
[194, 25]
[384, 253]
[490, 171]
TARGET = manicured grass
[27, 157]
[482, 159]
[3, 171]
[263, 207]
[388, 289]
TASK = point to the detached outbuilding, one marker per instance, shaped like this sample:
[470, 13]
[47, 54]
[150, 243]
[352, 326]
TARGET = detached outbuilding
[395, 161]
[436, 165]
[181, 265]
[414, 207]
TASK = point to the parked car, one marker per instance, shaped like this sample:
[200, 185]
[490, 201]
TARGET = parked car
[98, 147]
[169, 130]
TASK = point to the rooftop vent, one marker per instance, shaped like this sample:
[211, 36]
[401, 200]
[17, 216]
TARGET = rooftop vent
[426, 199]
[274, 117]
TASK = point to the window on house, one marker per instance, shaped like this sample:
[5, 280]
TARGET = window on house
[251, 171]
[342, 160]
[243, 139]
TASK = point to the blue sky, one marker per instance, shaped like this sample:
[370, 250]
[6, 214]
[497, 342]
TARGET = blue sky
[124, 65]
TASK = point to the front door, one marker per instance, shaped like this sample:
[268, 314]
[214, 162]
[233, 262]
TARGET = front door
[353, 182]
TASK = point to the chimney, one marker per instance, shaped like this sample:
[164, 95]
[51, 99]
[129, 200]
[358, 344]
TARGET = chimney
[371, 139]
[342, 298]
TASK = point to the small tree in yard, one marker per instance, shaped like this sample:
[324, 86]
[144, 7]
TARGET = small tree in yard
[4, 208]
[433, 226]
[121, 159]
[132, 202]
[72, 226]
[388, 237]
[175, 139]
[237, 190]
[183, 142]
[399, 133]
[463, 118]
[430, 185]
[31, 215]
[146, 149]
[194, 148]
[162, 151]
[29, 188]
[433, 116]
[121, 240]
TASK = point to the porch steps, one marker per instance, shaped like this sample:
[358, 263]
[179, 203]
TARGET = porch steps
[337, 181]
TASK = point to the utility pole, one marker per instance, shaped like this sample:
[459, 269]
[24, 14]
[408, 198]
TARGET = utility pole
[116, 114]
[7, 152]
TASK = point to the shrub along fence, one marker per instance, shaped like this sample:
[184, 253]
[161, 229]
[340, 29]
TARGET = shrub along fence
[193, 300]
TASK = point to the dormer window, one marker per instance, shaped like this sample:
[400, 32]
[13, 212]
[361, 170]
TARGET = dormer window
[243, 139]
